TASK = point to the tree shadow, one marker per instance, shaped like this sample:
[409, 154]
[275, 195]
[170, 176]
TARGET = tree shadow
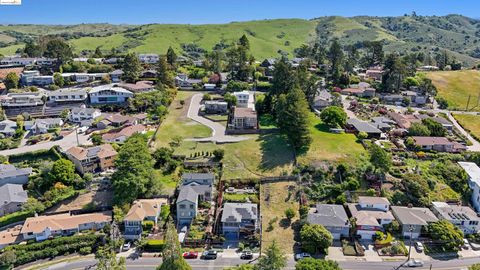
[322, 127]
[285, 223]
[276, 152]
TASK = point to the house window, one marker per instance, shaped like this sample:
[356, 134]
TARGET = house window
[191, 206]
[182, 206]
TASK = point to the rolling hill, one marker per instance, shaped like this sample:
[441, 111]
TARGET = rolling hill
[455, 33]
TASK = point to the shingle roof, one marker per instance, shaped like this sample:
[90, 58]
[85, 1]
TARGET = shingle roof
[84, 110]
[244, 112]
[101, 151]
[144, 208]
[8, 170]
[362, 126]
[373, 200]
[127, 132]
[455, 212]
[187, 193]
[12, 193]
[328, 215]
[198, 177]
[413, 215]
[63, 221]
[236, 212]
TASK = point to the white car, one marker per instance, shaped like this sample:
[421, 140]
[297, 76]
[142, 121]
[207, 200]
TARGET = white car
[414, 263]
[126, 246]
[466, 244]
[419, 246]
[303, 255]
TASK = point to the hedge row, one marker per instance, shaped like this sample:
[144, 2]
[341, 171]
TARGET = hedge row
[51, 248]
[155, 245]
[15, 217]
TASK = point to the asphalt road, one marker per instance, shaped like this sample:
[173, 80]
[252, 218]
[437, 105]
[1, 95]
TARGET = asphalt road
[145, 263]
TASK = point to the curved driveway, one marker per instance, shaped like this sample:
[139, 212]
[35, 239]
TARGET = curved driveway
[218, 130]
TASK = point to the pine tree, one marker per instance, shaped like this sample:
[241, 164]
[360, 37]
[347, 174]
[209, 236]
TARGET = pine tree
[172, 256]
[273, 259]
[131, 68]
[171, 57]
[164, 74]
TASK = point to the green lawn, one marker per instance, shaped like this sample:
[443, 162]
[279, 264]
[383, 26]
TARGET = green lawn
[327, 146]
[470, 123]
[178, 124]
[456, 86]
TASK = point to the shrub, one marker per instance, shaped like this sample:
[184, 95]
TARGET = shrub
[85, 250]
[147, 225]
[155, 245]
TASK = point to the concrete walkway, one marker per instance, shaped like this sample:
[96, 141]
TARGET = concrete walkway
[68, 141]
[218, 130]
[475, 147]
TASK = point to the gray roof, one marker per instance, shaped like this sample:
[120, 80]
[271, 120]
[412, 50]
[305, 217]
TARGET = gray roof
[236, 212]
[332, 215]
[454, 212]
[76, 91]
[12, 193]
[49, 121]
[8, 170]
[7, 126]
[192, 177]
[413, 215]
[323, 95]
[362, 126]
[187, 193]
[84, 110]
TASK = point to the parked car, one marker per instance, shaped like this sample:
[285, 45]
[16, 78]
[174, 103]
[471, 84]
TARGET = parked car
[246, 255]
[466, 244]
[190, 255]
[209, 255]
[126, 246]
[414, 263]
[303, 255]
[419, 246]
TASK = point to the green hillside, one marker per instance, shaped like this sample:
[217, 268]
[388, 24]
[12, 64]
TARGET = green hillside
[457, 34]
[457, 86]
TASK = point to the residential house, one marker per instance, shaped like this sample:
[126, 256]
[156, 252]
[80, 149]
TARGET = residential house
[83, 114]
[333, 217]
[198, 179]
[122, 135]
[244, 118]
[45, 62]
[444, 122]
[26, 78]
[116, 75]
[370, 214]
[182, 81]
[359, 92]
[269, 62]
[473, 173]
[209, 86]
[12, 198]
[374, 74]
[68, 95]
[92, 159]
[357, 126]
[107, 94]
[383, 123]
[463, 217]
[245, 99]
[112, 60]
[403, 120]
[43, 80]
[116, 120]
[85, 60]
[238, 219]
[83, 77]
[138, 87]
[322, 100]
[11, 175]
[25, 99]
[149, 58]
[10, 236]
[8, 128]
[141, 210]
[413, 219]
[439, 144]
[43, 227]
[42, 126]
[147, 74]
[23, 61]
[216, 107]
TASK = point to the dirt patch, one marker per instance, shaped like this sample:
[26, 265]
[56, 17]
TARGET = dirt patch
[92, 199]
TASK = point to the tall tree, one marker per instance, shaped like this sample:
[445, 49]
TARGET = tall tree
[315, 238]
[333, 116]
[306, 81]
[239, 60]
[243, 41]
[98, 53]
[380, 159]
[107, 260]
[131, 68]
[171, 57]
[11, 80]
[394, 73]
[293, 118]
[374, 53]
[273, 259]
[62, 171]
[59, 49]
[283, 77]
[449, 235]
[442, 59]
[336, 57]
[172, 256]
[134, 177]
[32, 49]
[351, 59]
[165, 76]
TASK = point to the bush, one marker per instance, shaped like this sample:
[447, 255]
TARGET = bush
[85, 250]
[155, 245]
[218, 154]
[15, 217]
[147, 225]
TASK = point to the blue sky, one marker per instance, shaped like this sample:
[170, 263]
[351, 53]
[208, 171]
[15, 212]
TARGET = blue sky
[216, 11]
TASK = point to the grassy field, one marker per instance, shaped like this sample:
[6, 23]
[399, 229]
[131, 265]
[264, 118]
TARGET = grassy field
[456, 86]
[470, 123]
[178, 124]
[274, 199]
[327, 146]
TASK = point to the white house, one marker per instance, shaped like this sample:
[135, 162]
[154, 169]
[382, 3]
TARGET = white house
[68, 95]
[245, 99]
[8, 127]
[461, 216]
[370, 214]
[149, 58]
[22, 99]
[83, 77]
[473, 172]
[43, 80]
[9, 174]
[24, 61]
[145, 209]
[111, 93]
[41, 126]
[26, 78]
[239, 217]
[82, 114]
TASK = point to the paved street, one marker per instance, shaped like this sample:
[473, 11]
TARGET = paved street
[218, 130]
[65, 143]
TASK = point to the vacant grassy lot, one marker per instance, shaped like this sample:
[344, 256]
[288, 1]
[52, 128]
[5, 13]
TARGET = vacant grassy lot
[327, 146]
[274, 199]
[456, 86]
[470, 123]
[178, 124]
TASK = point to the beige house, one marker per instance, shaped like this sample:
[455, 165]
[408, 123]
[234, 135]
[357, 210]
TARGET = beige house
[145, 209]
[93, 159]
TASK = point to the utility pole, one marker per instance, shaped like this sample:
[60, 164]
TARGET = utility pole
[410, 248]
[468, 102]
[76, 134]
